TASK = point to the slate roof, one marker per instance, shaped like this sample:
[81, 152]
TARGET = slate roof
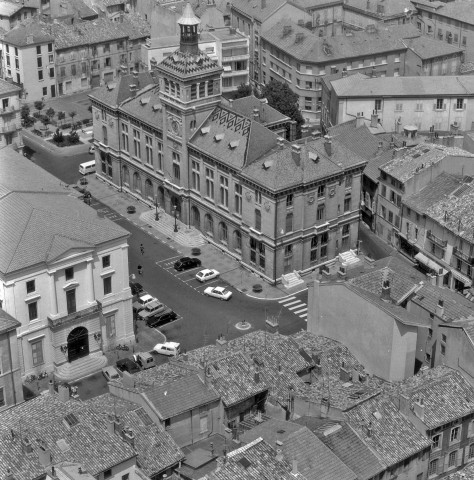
[145, 106]
[253, 8]
[267, 114]
[392, 436]
[7, 322]
[8, 9]
[408, 161]
[354, 86]
[253, 138]
[314, 459]
[256, 460]
[446, 395]
[43, 220]
[119, 91]
[179, 396]
[7, 87]
[186, 65]
[349, 447]
[427, 47]
[460, 10]
[155, 448]
[87, 443]
[283, 173]
[30, 28]
[391, 7]
[312, 48]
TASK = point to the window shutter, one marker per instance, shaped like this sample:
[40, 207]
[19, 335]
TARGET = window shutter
[466, 454]
[464, 105]
[444, 465]
[444, 106]
[454, 105]
[459, 458]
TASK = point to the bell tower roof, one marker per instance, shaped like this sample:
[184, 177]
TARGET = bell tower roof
[188, 17]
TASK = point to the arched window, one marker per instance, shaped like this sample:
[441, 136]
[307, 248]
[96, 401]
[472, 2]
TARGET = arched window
[104, 134]
[137, 183]
[196, 217]
[125, 176]
[149, 189]
[223, 232]
[208, 224]
[237, 240]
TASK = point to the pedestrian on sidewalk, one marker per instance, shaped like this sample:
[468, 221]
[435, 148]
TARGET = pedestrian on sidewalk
[142, 248]
[140, 270]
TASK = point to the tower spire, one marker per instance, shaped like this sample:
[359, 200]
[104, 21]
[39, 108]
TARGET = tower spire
[188, 25]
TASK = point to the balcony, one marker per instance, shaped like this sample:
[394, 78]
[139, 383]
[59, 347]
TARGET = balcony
[9, 110]
[468, 259]
[436, 240]
[84, 314]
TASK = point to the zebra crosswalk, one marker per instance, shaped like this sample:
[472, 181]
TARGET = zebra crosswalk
[296, 306]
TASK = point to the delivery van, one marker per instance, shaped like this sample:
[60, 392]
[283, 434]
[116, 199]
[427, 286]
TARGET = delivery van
[87, 167]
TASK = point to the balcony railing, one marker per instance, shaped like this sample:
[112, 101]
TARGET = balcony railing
[467, 258]
[437, 240]
[85, 314]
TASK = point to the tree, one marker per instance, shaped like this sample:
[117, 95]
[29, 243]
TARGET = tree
[25, 112]
[39, 105]
[73, 137]
[72, 114]
[45, 120]
[61, 116]
[50, 113]
[243, 91]
[58, 136]
[280, 97]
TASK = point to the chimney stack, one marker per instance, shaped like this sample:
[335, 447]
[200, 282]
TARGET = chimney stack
[369, 429]
[380, 148]
[385, 296]
[280, 142]
[44, 453]
[117, 425]
[359, 120]
[231, 102]
[129, 436]
[296, 154]
[9, 475]
[328, 146]
[315, 134]
[256, 114]
[440, 308]
[51, 387]
[63, 392]
[279, 455]
[324, 407]
[419, 408]
[374, 120]
[257, 375]
[110, 424]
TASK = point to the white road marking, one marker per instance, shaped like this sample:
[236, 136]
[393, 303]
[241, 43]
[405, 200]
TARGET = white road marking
[296, 306]
[302, 310]
[303, 315]
[286, 299]
[291, 303]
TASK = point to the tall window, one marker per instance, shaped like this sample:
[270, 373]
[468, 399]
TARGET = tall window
[433, 467]
[104, 134]
[106, 261]
[237, 240]
[471, 451]
[107, 285]
[346, 236]
[455, 434]
[37, 352]
[323, 239]
[149, 149]
[223, 232]
[258, 220]
[2, 397]
[209, 183]
[258, 197]
[69, 273]
[320, 212]
[136, 143]
[202, 89]
[238, 198]
[257, 253]
[196, 175]
[347, 204]
[459, 103]
[125, 137]
[159, 146]
[452, 459]
[321, 191]
[289, 200]
[176, 167]
[224, 191]
[33, 310]
[110, 325]
[313, 257]
[289, 222]
[71, 301]
[30, 286]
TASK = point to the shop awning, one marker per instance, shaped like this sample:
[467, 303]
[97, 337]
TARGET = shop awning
[427, 262]
[462, 278]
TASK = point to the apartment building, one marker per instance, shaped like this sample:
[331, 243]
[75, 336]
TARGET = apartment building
[10, 121]
[274, 206]
[12, 13]
[441, 104]
[63, 277]
[451, 22]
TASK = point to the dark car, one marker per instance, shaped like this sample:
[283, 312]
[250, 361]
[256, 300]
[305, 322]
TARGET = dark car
[136, 288]
[28, 152]
[127, 365]
[162, 319]
[186, 263]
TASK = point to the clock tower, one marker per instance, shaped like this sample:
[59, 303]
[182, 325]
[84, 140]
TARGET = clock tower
[190, 88]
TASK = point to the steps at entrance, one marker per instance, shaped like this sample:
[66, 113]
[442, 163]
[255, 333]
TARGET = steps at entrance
[82, 367]
[348, 258]
[291, 280]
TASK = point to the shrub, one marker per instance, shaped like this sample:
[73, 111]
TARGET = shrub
[73, 137]
[65, 125]
[58, 136]
[257, 288]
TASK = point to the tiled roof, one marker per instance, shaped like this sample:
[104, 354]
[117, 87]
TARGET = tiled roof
[409, 161]
[349, 447]
[7, 9]
[315, 461]
[7, 322]
[88, 442]
[427, 47]
[282, 171]
[391, 7]
[256, 460]
[179, 396]
[7, 87]
[42, 221]
[156, 450]
[119, 91]
[266, 113]
[253, 138]
[459, 10]
[185, 64]
[150, 111]
[30, 28]
[446, 395]
[304, 45]
[355, 86]
[257, 9]
[388, 433]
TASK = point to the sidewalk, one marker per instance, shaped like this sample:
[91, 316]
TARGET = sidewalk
[185, 240]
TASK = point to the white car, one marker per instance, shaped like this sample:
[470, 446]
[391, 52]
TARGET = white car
[110, 373]
[171, 349]
[207, 274]
[218, 292]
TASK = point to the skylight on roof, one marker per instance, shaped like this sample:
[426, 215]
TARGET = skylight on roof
[144, 100]
[143, 416]
[63, 446]
[234, 144]
[156, 107]
[205, 130]
[111, 86]
[267, 164]
[313, 156]
[71, 419]
[244, 462]
[377, 415]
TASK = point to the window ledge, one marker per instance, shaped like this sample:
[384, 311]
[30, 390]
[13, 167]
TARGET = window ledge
[32, 297]
[70, 285]
[107, 272]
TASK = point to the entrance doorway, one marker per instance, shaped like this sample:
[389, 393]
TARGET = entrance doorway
[78, 344]
[196, 217]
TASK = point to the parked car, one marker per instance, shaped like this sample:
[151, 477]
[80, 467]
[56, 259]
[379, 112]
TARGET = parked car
[151, 309]
[207, 274]
[136, 288]
[218, 292]
[28, 152]
[142, 300]
[127, 365]
[110, 373]
[162, 318]
[144, 360]
[186, 263]
[171, 349]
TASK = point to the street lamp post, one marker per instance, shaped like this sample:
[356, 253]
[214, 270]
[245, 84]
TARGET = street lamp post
[175, 211]
[156, 209]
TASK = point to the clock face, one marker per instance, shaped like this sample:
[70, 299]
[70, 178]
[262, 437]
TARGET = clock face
[174, 125]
